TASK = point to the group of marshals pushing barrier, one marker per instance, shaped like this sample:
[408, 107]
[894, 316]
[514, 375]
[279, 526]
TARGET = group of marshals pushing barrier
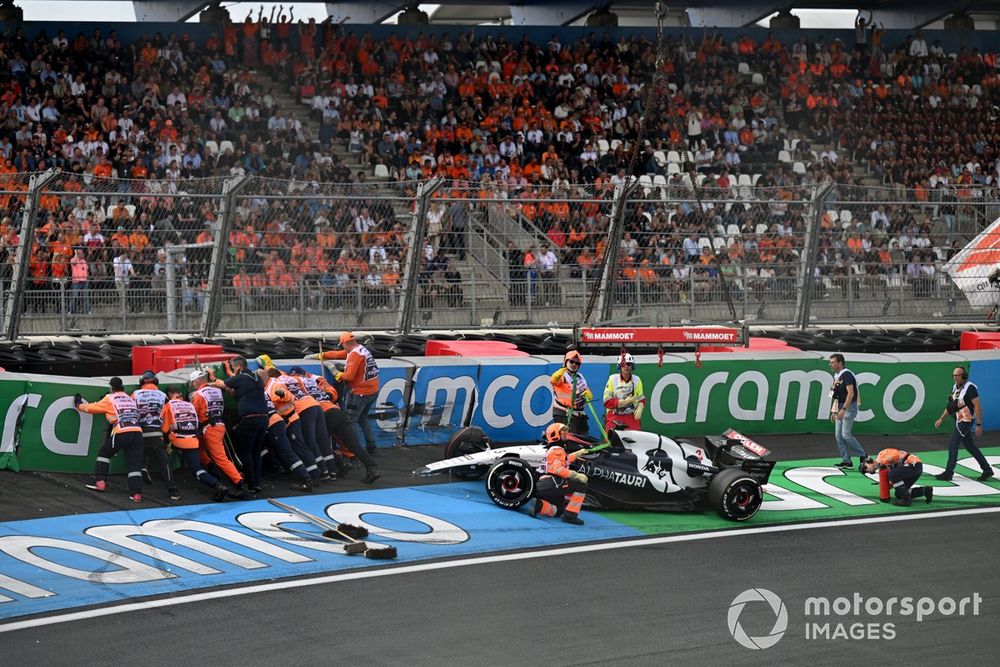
[293, 415]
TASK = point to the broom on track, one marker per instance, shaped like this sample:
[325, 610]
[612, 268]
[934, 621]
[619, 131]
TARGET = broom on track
[351, 548]
[342, 531]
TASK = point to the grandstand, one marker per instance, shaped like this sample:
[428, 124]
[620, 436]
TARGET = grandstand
[289, 157]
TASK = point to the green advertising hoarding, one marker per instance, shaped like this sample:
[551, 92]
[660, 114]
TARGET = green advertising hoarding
[789, 395]
[42, 428]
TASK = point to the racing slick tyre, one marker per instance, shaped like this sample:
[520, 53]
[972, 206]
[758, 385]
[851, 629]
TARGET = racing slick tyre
[735, 495]
[469, 440]
[510, 483]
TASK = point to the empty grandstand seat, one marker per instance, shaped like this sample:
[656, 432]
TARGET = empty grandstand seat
[212, 148]
[784, 156]
[223, 145]
[744, 180]
[799, 168]
[743, 68]
[732, 230]
[761, 228]
[603, 146]
[846, 215]
[660, 157]
[381, 171]
[704, 242]
[673, 156]
[673, 168]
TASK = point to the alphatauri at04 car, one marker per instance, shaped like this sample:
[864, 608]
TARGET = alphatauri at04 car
[633, 470]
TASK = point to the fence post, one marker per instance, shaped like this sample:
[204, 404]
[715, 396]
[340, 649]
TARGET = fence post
[19, 276]
[415, 242]
[217, 270]
[810, 251]
[607, 272]
[473, 300]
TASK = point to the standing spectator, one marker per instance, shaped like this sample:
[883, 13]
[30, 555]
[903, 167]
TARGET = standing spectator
[844, 411]
[549, 265]
[456, 237]
[964, 406]
[80, 289]
[123, 272]
[861, 28]
[516, 274]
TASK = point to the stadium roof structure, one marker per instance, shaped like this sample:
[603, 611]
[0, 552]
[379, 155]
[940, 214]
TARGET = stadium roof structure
[893, 14]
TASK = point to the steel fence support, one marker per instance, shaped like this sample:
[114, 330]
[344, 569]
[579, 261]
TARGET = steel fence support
[217, 270]
[19, 276]
[609, 271]
[415, 242]
[810, 252]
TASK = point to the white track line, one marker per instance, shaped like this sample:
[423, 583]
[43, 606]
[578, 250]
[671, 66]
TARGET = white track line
[479, 560]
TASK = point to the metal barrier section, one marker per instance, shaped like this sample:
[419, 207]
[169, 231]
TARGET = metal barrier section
[89, 255]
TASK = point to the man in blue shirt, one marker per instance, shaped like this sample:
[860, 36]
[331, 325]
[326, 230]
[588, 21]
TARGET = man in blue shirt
[844, 410]
[247, 387]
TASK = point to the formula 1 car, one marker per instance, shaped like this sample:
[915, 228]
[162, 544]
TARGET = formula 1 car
[634, 470]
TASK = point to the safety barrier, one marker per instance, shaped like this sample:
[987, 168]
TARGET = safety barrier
[424, 400]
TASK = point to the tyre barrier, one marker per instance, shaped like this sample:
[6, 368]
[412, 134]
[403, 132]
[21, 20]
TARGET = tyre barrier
[99, 357]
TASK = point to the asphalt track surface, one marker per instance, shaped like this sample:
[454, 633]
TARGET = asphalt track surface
[649, 604]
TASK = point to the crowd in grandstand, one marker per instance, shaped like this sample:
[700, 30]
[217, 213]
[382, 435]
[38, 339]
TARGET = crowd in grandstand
[536, 125]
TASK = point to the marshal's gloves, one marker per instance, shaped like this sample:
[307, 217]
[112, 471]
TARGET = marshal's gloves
[638, 411]
[314, 356]
[78, 400]
[588, 395]
[337, 376]
[558, 375]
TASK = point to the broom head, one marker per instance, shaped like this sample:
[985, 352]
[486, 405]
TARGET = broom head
[352, 531]
[386, 553]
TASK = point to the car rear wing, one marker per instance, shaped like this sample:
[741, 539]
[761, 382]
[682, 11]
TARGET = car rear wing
[735, 450]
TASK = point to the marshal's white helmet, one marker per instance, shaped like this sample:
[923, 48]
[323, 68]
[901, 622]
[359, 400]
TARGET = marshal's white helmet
[626, 360]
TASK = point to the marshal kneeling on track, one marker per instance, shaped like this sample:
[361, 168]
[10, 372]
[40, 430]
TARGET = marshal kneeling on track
[633, 470]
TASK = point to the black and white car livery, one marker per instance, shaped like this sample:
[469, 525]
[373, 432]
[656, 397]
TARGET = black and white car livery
[637, 471]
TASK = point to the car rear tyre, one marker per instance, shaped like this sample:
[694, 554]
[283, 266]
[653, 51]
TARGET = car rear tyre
[735, 495]
[510, 483]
